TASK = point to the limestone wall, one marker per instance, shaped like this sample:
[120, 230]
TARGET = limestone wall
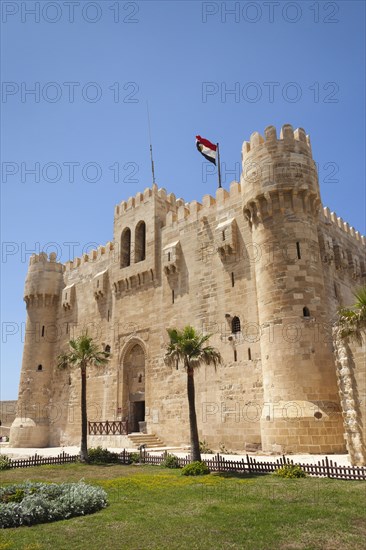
[210, 288]
[229, 266]
[7, 416]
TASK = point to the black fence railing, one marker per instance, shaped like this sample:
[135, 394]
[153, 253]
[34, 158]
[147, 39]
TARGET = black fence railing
[108, 427]
[247, 465]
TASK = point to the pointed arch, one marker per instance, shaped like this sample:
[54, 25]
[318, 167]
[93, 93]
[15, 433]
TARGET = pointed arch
[126, 247]
[235, 325]
[140, 242]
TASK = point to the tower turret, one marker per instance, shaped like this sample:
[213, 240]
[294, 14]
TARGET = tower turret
[42, 291]
[281, 203]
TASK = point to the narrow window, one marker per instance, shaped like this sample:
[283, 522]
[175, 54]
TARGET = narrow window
[39, 368]
[140, 378]
[126, 247]
[235, 355]
[43, 330]
[249, 354]
[66, 297]
[98, 283]
[107, 349]
[232, 280]
[223, 235]
[108, 316]
[140, 242]
[235, 325]
[67, 328]
[172, 296]
[298, 250]
[305, 312]
[168, 256]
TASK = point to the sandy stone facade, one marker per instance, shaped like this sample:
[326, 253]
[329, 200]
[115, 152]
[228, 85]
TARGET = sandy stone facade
[262, 266]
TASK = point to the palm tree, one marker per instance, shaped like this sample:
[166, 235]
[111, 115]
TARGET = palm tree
[83, 352]
[351, 325]
[188, 346]
[352, 321]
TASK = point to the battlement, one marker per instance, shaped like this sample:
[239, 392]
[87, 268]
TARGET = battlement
[332, 218]
[289, 138]
[194, 210]
[145, 197]
[177, 208]
[101, 253]
[42, 260]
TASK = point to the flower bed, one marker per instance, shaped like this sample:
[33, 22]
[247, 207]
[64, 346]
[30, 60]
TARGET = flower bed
[30, 503]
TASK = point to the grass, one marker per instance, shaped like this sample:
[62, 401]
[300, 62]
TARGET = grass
[155, 508]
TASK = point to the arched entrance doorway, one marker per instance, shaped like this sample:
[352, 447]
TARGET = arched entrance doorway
[133, 388]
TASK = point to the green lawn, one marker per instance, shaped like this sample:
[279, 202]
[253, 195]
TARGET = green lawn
[155, 508]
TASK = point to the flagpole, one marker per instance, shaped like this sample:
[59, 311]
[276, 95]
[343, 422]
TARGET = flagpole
[218, 164]
[151, 150]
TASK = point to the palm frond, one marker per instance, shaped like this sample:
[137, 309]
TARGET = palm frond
[83, 352]
[187, 346]
[352, 321]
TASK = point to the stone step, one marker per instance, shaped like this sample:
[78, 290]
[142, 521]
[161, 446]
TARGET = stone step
[150, 440]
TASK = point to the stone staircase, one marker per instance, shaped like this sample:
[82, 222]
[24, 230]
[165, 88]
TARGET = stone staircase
[150, 440]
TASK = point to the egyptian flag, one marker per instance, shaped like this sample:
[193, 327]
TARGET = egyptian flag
[206, 148]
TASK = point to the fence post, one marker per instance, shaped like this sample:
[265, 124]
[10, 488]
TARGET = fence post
[218, 462]
[327, 466]
[249, 465]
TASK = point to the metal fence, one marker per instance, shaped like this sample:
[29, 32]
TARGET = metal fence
[113, 427]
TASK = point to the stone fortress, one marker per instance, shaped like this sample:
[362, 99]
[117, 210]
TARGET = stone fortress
[263, 267]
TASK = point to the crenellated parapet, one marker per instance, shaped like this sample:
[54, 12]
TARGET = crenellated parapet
[336, 221]
[103, 253]
[290, 140]
[191, 211]
[146, 197]
[342, 246]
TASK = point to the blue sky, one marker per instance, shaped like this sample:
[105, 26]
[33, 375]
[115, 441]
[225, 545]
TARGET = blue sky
[93, 66]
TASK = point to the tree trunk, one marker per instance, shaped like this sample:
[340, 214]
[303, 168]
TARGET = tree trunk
[345, 369]
[195, 443]
[84, 419]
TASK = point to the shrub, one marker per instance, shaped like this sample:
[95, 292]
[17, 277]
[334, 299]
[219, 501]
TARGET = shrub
[290, 471]
[4, 462]
[171, 461]
[196, 468]
[134, 458]
[102, 456]
[17, 496]
[204, 448]
[42, 502]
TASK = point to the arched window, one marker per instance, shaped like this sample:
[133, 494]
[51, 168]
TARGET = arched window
[126, 247]
[306, 311]
[39, 368]
[140, 242]
[235, 325]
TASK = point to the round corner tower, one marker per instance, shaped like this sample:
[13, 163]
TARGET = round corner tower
[281, 202]
[42, 291]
